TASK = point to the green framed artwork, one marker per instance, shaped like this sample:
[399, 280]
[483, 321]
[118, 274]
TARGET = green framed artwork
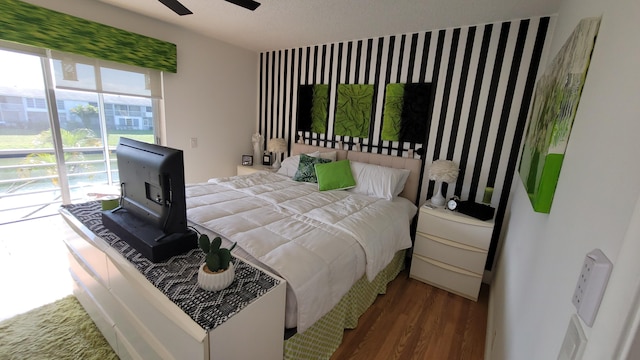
[554, 108]
[353, 111]
[406, 112]
[313, 108]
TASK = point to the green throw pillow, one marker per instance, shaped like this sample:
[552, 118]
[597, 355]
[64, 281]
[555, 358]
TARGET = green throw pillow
[306, 172]
[335, 176]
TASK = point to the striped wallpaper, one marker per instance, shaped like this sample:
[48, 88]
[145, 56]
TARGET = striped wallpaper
[483, 76]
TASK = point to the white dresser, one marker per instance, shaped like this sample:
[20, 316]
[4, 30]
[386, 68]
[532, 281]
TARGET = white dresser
[140, 322]
[450, 251]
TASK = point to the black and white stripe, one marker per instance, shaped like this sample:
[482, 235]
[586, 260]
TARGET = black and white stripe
[483, 76]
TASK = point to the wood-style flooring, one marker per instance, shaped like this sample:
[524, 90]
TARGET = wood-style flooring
[414, 320]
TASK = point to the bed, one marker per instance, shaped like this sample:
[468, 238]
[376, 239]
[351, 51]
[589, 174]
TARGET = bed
[337, 248]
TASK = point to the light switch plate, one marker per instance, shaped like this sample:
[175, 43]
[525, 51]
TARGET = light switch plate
[574, 341]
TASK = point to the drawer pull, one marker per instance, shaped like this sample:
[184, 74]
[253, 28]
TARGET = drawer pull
[451, 268]
[457, 217]
[452, 243]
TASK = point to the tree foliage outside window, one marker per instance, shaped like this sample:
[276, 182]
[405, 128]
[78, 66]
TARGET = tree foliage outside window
[44, 163]
[86, 113]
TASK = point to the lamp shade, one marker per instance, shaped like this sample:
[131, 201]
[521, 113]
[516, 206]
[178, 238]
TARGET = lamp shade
[443, 170]
[277, 145]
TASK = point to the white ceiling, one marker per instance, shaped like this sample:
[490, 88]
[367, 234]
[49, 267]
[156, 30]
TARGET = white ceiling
[283, 24]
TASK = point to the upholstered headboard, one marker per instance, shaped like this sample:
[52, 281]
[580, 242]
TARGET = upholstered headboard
[307, 149]
[412, 185]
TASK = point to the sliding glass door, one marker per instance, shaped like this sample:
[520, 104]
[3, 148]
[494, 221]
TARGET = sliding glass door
[61, 117]
[29, 179]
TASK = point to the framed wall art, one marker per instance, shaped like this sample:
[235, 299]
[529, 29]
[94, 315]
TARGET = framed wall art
[247, 160]
[554, 108]
[266, 159]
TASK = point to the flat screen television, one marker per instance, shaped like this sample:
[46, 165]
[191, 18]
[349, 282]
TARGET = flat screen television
[151, 215]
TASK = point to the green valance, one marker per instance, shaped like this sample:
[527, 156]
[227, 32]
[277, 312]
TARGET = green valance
[37, 26]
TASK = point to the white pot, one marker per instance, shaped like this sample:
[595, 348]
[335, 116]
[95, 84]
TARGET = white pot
[217, 281]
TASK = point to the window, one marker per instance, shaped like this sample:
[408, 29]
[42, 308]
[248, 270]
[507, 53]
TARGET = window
[95, 103]
[122, 110]
[34, 103]
[134, 110]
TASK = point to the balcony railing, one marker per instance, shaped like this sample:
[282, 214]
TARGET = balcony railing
[30, 190]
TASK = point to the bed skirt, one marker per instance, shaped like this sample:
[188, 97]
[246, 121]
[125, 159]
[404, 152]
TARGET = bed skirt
[322, 339]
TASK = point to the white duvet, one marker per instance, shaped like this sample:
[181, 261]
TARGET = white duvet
[310, 238]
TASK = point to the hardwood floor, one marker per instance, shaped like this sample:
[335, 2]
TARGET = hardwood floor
[412, 320]
[418, 321]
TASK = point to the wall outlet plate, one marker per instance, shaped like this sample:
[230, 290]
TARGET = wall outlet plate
[591, 285]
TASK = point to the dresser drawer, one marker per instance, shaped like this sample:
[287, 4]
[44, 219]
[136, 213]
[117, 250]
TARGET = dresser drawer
[450, 252]
[94, 301]
[90, 257]
[470, 232]
[153, 331]
[447, 277]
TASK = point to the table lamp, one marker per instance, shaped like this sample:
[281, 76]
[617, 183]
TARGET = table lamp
[277, 146]
[442, 171]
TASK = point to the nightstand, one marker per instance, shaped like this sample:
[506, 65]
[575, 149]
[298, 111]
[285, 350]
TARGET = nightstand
[450, 251]
[246, 170]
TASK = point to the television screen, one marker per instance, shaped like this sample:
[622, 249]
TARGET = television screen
[152, 214]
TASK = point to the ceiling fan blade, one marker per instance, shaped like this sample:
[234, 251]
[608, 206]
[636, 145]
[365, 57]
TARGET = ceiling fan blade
[176, 6]
[247, 4]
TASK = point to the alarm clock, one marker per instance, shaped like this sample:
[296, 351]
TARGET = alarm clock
[452, 204]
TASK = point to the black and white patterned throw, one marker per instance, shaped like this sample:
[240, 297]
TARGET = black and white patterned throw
[177, 276]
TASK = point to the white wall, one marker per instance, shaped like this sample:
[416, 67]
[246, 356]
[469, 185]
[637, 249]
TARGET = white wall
[212, 96]
[599, 186]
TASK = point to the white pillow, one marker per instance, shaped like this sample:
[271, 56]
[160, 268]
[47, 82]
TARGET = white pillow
[331, 155]
[289, 166]
[378, 181]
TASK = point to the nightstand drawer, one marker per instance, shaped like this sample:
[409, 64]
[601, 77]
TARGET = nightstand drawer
[472, 233]
[447, 277]
[450, 252]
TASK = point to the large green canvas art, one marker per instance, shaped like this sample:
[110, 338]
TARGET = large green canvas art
[554, 108]
[406, 112]
[353, 111]
[313, 108]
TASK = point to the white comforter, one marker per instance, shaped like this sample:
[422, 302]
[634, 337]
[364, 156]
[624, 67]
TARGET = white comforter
[310, 238]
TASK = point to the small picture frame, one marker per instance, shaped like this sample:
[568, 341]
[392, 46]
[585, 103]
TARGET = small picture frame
[266, 159]
[247, 160]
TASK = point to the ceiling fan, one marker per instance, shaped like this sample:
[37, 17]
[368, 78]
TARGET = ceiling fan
[180, 9]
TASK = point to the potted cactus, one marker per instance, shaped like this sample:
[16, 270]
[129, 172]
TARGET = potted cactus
[217, 272]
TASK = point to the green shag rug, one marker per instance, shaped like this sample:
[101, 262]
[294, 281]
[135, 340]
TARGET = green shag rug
[60, 330]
